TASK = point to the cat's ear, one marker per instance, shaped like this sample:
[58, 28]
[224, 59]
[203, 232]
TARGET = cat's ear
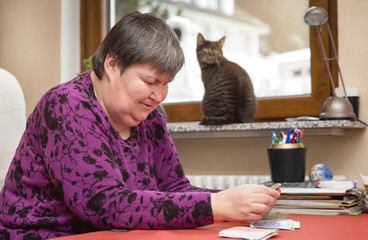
[221, 41]
[200, 39]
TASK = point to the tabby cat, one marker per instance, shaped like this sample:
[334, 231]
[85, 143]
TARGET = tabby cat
[229, 95]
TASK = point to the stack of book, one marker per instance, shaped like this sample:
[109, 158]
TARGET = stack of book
[320, 201]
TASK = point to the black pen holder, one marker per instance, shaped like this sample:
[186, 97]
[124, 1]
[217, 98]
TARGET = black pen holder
[287, 162]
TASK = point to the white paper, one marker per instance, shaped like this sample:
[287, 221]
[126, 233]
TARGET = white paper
[364, 179]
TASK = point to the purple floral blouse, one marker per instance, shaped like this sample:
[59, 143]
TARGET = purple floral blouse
[73, 173]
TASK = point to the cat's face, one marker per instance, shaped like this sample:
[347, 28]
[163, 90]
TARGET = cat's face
[209, 52]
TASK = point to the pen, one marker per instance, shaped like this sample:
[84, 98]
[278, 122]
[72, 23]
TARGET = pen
[293, 137]
[301, 135]
[274, 138]
[283, 137]
[288, 136]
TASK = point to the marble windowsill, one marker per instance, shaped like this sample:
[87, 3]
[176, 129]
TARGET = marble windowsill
[192, 130]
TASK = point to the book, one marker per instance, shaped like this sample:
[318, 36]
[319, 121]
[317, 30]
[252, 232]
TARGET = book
[328, 204]
[312, 191]
[321, 201]
[349, 211]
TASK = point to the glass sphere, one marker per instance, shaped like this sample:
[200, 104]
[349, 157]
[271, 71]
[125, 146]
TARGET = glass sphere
[320, 172]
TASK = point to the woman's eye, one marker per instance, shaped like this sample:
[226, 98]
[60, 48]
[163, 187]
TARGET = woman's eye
[149, 82]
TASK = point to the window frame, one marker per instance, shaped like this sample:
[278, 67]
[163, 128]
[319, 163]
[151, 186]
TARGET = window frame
[93, 29]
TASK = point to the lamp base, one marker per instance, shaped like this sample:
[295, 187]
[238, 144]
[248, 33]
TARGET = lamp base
[337, 108]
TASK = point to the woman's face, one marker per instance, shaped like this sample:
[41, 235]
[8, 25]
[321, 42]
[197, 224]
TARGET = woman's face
[129, 97]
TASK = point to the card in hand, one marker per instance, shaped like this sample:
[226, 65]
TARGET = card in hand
[276, 186]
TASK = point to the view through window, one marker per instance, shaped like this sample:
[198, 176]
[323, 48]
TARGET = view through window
[268, 38]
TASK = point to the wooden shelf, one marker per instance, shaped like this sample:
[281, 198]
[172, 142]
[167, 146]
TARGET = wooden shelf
[192, 130]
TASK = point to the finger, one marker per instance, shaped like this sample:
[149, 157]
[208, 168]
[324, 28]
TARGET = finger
[272, 192]
[266, 190]
[258, 208]
[264, 199]
[269, 210]
[253, 217]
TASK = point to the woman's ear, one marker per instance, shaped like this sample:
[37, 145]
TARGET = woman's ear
[111, 65]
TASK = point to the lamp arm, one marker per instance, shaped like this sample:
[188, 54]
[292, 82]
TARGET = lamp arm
[336, 58]
[326, 61]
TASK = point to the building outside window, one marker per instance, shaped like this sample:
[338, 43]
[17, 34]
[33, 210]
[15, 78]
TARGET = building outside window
[261, 36]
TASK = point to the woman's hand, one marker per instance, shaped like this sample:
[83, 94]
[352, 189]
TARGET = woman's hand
[244, 203]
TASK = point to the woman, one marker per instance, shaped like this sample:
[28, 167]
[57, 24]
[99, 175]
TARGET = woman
[96, 153]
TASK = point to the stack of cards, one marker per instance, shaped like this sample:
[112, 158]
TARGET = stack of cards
[248, 233]
[286, 224]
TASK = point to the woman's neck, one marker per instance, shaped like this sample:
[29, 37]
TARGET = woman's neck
[97, 87]
[124, 133]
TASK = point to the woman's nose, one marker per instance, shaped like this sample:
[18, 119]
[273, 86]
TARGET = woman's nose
[159, 93]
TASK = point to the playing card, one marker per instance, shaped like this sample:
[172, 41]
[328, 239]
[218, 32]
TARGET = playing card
[248, 233]
[276, 186]
[287, 224]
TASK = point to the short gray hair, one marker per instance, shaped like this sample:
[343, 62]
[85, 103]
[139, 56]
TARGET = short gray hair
[141, 38]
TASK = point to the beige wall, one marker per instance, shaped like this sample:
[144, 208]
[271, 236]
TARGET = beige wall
[30, 45]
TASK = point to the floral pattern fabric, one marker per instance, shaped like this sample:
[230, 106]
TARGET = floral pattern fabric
[73, 173]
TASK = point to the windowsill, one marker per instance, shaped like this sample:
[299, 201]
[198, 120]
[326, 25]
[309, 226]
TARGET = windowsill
[192, 130]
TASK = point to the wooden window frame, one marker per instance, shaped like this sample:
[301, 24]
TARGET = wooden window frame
[93, 15]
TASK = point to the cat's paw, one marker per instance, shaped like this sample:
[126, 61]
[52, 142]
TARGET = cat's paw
[213, 121]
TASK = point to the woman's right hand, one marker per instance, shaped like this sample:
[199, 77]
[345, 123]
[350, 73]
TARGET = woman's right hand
[244, 203]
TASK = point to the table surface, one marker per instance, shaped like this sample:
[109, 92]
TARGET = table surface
[311, 227]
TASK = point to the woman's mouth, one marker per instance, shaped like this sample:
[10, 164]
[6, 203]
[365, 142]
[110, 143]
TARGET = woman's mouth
[147, 106]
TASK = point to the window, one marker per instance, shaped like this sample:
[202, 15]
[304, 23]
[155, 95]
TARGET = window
[270, 108]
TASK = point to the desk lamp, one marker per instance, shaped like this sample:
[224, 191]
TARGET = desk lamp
[334, 107]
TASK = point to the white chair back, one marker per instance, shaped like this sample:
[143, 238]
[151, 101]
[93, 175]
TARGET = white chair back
[12, 119]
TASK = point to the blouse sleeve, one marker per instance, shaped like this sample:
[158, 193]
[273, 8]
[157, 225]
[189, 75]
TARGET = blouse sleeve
[171, 174]
[80, 159]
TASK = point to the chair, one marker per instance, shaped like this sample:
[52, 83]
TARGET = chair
[12, 119]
